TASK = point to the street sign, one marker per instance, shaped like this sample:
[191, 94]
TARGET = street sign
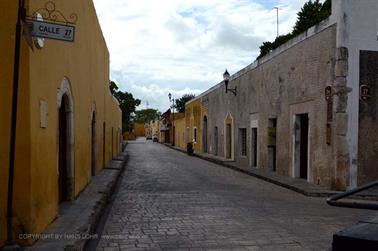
[54, 31]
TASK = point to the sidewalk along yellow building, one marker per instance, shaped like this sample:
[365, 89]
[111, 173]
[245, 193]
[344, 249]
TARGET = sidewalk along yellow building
[69, 125]
[193, 123]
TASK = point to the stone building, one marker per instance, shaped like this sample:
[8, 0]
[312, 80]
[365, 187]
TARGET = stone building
[299, 110]
[68, 124]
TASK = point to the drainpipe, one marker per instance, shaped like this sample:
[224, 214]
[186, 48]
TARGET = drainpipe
[20, 17]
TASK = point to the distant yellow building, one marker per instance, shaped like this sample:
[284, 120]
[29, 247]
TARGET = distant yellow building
[193, 123]
[179, 130]
[69, 125]
[139, 130]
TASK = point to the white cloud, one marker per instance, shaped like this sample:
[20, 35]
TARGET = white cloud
[180, 46]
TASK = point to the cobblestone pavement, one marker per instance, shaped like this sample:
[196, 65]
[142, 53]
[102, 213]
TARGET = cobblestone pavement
[170, 201]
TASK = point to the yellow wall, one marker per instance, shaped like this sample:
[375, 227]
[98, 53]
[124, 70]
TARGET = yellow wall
[85, 65]
[180, 131]
[8, 12]
[179, 122]
[193, 120]
[139, 130]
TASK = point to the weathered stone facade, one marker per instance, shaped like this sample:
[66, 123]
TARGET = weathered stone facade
[291, 83]
[297, 110]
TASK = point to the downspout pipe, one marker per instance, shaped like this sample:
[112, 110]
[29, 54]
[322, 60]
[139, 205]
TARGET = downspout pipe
[10, 245]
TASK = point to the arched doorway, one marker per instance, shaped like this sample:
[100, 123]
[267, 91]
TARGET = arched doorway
[229, 139]
[63, 150]
[65, 143]
[93, 144]
[204, 134]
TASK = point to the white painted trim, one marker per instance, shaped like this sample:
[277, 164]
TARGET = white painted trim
[203, 133]
[232, 137]
[254, 125]
[196, 134]
[294, 171]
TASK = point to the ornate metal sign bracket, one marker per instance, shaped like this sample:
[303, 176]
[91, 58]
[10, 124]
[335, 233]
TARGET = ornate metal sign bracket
[51, 14]
[50, 23]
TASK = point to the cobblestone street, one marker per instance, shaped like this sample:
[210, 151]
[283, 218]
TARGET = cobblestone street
[170, 201]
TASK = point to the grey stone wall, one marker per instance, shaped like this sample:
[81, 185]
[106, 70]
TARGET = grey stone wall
[292, 82]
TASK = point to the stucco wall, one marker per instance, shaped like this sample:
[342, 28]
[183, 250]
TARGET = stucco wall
[193, 120]
[356, 31]
[8, 13]
[139, 130]
[83, 67]
[180, 131]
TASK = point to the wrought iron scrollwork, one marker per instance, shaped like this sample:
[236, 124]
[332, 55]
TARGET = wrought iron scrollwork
[50, 13]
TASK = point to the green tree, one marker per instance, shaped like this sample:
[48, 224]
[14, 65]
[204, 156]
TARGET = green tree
[309, 15]
[180, 103]
[267, 47]
[146, 115]
[312, 13]
[127, 103]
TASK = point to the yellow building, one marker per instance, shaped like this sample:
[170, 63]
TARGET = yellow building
[193, 123]
[179, 130]
[139, 130]
[69, 125]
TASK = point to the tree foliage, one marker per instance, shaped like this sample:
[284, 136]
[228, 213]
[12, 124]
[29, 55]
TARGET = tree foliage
[127, 103]
[267, 47]
[312, 13]
[146, 115]
[180, 103]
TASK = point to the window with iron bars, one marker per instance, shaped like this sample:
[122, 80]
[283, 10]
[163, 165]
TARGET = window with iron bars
[243, 141]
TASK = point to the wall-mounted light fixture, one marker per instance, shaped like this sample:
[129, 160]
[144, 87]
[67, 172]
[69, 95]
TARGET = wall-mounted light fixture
[226, 78]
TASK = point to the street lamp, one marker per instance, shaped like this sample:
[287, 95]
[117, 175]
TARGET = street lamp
[173, 117]
[226, 78]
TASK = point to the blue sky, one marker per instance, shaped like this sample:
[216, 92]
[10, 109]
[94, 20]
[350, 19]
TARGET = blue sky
[184, 46]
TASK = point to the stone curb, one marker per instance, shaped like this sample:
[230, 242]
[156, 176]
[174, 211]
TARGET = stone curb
[96, 195]
[309, 193]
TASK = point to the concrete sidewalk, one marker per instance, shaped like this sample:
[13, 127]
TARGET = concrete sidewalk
[78, 219]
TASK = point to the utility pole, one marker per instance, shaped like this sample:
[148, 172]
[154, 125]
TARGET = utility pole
[20, 17]
[278, 24]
